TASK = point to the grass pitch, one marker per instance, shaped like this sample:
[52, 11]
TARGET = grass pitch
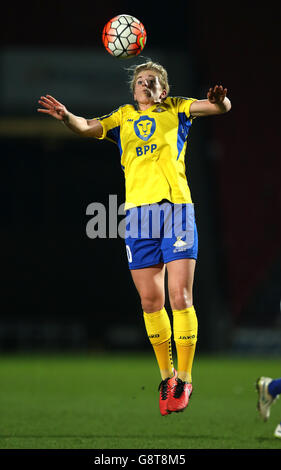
[111, 402]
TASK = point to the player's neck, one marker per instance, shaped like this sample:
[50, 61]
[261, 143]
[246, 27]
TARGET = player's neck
[145, 106]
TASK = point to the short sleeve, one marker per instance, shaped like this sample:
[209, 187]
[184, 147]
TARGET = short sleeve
[111, 125]
[184, 105]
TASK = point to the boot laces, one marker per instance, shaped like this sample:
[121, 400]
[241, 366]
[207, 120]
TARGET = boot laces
[163, 387]
[179, 388]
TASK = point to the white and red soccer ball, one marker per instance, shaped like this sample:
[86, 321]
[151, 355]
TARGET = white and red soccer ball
[124, 36]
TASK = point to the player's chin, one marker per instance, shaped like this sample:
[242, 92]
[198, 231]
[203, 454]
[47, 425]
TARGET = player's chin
[147, 100]
[147, 93]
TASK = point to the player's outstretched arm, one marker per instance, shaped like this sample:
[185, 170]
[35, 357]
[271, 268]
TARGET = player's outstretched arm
[216, 103]
[80, 125]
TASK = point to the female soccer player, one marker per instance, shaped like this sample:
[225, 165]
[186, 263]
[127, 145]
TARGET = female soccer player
[152, 138]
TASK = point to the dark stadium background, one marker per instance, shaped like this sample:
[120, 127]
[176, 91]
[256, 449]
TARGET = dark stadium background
[61, 290]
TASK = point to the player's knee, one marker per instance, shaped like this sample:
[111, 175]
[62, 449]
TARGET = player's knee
[151, 302]
[151, 306]
[180, 298]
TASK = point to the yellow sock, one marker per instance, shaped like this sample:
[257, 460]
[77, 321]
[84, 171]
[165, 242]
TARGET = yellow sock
[185, 336]
[158, 328]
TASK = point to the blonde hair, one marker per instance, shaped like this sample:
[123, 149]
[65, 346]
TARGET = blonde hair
[149, 65]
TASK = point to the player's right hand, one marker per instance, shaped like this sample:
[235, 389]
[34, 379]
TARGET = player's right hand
[52, 107]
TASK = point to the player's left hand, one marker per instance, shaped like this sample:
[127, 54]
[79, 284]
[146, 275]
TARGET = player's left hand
[216, 94]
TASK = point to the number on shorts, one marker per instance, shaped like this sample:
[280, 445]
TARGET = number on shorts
[129, 254]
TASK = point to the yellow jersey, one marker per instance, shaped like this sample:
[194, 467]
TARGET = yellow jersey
[152, 145]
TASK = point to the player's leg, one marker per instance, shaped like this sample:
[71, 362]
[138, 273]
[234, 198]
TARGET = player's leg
[148, 273]
[150, 285]
[268, 391]
[185, 326]
[180, 254]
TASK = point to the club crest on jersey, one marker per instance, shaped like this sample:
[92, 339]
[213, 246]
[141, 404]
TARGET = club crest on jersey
[145, 127]
[159, 110]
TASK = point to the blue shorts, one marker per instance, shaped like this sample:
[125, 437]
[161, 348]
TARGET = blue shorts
[159, 233]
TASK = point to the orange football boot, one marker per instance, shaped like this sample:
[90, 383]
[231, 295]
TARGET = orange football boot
[165, 388]
[179, 396]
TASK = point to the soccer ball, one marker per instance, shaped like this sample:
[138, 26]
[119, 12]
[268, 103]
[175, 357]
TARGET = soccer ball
[124, 36]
